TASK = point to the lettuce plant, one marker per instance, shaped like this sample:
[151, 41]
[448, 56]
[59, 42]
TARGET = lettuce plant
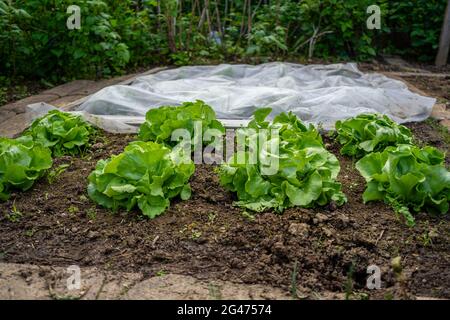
[306, 173]
[367, 133]
[161, 122]
[62, 132]
[146, 174]
[288, 125]
[407, 177]
[22, 162]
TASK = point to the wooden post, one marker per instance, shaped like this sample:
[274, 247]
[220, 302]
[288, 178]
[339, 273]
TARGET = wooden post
[444, 42]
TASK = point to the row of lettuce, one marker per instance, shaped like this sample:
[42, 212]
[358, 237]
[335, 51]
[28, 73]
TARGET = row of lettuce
[27, 158]
[153, 170]
[408, 178]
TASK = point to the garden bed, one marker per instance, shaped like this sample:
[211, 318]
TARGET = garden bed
[56, 224]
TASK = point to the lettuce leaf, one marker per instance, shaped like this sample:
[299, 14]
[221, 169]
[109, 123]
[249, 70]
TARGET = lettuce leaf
[22, 162]
[146, 174]
[161, 122]
[408, 178]
[62, 132]
[306, 174]
[368, 133]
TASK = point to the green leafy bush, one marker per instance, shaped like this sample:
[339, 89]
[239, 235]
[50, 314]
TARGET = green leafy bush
[13, 38]
[161, 122]
[340, 28]
[413, 27]
[367, 133]
[116, 35]
[22, 162]
[306, 174]
[146, 174]
[407, 177]
[41, 45]
[263, 41]
[62, 132]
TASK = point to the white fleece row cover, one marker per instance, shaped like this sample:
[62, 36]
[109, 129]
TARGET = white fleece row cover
[315, 93]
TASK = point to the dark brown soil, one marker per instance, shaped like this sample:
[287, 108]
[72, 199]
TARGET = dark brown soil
[436, 87]
[208, 238]
[380, 65]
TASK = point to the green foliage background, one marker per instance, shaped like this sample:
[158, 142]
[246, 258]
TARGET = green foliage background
[117, 35]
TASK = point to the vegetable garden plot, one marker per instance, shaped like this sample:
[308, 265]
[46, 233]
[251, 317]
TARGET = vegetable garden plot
[207, 236]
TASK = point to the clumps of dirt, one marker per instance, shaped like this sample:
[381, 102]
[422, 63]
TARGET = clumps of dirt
[208, 238]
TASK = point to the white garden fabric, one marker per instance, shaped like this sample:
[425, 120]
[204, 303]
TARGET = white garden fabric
[315, 93]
